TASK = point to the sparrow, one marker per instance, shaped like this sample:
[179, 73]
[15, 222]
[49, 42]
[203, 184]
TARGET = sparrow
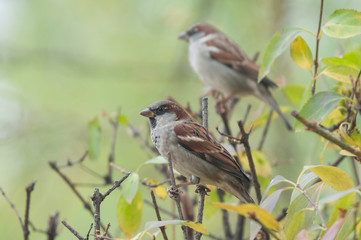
[222, 65]
[195, 153]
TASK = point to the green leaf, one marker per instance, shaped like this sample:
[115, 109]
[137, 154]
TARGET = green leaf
[130, 187]
[358, 122]
[94, 138]
[294, 93]
[340, 73]
[319, 106]
[294, 226]
[275, 48]
[157, 160]
[334, 177]
[130, 214]
[301, 53]
[346, 229]
[301, 202]
[304, 180]
[343, 23]
[276, 180]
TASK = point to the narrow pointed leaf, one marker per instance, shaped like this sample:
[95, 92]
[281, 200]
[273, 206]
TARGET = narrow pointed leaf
[343, 23]
[278, 44]
[196, 226]
[319, 106]
[334, 177]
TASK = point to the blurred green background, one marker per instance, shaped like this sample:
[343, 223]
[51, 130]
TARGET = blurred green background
[64, 62]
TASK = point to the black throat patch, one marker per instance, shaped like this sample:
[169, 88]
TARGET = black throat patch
[153, 123]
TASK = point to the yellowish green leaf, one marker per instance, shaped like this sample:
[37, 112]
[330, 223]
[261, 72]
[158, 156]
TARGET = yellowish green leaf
[340, 73]
[347, 138]
[130, 215]
[343, 23]
[334, 117]
[130, 187]
[199, 227]
[253, 212]
[263, 167]
[334, 177]
[294, 226]
[301, 53]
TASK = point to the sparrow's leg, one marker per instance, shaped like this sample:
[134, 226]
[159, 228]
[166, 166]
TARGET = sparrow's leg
[221, 104]
[173, 193]
[200, 187]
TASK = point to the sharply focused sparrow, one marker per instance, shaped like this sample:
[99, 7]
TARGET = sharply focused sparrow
[194, 152]
[223, 66]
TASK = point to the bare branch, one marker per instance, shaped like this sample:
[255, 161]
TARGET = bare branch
[315, 61]
[314, 127]
[28, 189]
[73, 231]
[247, 148]
[265, 130]
[162, 229]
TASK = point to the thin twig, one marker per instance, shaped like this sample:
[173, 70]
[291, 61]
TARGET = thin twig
[70, 163]
[318, 37]
[115, 123]
[176, 193]
[119, 168]
[163, 210]
[247, 113]
[28, 189]
[87, 206]
[156, 208]
[98, 198]
[90, 228]
[205, 112]
[247, 148]
[73, 231]
[314, 127]
[14, 208]
[313, 204]
[265, 131]
[53, 226]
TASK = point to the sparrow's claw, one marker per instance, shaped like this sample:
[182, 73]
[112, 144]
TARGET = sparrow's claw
[173, 192]
[200, 187]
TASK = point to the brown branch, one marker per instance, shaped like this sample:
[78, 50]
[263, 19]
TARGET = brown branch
[70, 163]
[314, 127]
[53, 226]
[315, 61]
[115, 123]
[265, 130]
[98, 198]
[87, 206]
[247, 113]
[73, 231]
[163, 210]
[156, 208]
[28, 189]
[247, 148]
[175, 193]
[14, 208]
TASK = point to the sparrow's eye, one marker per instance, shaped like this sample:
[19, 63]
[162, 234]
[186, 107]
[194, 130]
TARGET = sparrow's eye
[193, 31]
[161, 110]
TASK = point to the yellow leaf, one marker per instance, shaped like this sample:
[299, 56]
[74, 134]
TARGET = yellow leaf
[301, 53]
[196, 226]
[263, 167]
[346, 137]
[254, 212]
[334, 177]
[160, 190]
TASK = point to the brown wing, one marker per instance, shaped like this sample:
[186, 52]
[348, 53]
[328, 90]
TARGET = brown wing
[233, 57]
[196, 139]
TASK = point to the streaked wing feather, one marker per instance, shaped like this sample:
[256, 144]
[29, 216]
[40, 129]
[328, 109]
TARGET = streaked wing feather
[199, 142]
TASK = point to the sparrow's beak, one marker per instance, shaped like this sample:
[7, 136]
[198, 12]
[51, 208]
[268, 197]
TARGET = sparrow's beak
[147, 113]
[184, 36]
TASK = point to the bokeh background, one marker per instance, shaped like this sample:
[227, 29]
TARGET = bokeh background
[65, 62]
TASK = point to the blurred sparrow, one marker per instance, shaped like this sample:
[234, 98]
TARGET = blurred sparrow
[223, 66]
[194, 152]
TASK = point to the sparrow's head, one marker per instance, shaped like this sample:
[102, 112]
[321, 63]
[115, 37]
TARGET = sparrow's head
[163, 112]
[197, 31]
